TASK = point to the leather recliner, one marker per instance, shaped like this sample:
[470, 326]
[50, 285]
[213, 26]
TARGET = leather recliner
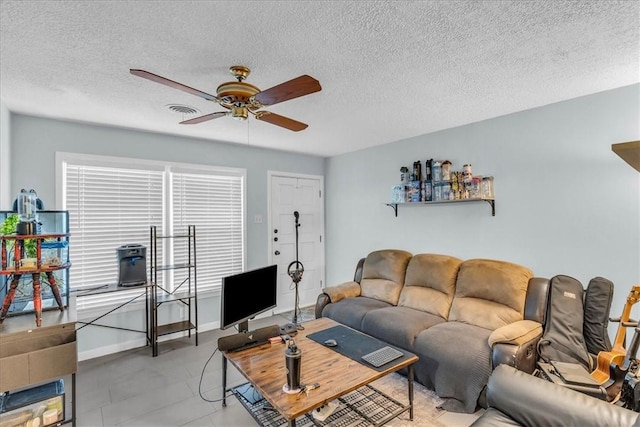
[516, 398]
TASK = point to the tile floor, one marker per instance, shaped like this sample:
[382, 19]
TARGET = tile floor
[132, 388]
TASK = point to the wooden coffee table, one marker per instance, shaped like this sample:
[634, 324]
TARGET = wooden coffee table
[264, 368]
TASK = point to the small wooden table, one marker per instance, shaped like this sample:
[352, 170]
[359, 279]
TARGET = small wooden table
[264, 368]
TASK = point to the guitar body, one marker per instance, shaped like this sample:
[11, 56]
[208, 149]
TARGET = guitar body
[613, 365]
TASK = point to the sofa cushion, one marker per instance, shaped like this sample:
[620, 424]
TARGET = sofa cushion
[383, 274]
[350, 311]
[430, 283]
[457, 361]
[398, 325]
[490, 293]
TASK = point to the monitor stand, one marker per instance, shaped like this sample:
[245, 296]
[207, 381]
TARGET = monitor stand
[243, 327]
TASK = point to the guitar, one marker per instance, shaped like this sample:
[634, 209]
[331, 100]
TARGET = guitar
[613, 365]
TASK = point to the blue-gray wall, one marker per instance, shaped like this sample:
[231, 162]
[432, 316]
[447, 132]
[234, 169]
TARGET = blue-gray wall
[34, 142]
[565, 203]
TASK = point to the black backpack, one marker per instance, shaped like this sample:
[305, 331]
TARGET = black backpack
[563, 339]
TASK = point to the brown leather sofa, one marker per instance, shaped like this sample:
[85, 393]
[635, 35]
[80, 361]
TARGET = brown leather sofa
[462, 318]
[518, 399]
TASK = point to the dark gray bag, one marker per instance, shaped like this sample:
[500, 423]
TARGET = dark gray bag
[563, 339]
[597, 305]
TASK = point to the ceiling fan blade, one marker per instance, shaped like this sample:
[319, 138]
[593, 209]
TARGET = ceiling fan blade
[204, 118]
[300, 86]
[282, 121]
[159, 79]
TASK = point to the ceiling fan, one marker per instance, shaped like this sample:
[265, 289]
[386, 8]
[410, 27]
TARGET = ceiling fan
[241, 98]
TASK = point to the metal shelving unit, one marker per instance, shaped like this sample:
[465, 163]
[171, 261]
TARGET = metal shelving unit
[184, 292]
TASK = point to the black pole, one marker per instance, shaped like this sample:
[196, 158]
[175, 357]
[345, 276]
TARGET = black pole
[296, 276]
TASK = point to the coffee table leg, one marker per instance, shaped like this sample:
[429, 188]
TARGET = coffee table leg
[410, 383]
[224, 381]
[292, 423]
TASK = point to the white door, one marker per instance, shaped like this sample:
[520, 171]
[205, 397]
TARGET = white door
[302, 194]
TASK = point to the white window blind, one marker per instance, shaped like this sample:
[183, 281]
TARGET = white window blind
[108, 207]
[114, 205]
[214, 204]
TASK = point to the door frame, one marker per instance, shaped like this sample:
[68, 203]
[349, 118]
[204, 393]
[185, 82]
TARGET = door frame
[320, 178]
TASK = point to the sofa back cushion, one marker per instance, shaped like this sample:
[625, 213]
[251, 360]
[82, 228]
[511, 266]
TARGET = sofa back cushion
[383, 274]
[430, 283]
[490, 293]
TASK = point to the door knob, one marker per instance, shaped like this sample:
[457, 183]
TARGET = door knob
[277, 252]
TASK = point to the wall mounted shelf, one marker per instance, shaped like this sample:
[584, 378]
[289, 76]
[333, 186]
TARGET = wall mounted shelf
[492, 202]
[629, 152]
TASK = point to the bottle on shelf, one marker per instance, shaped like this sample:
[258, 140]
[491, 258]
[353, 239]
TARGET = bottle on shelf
[436, 171]
[446, 170]
[487, 187]
[404, 175]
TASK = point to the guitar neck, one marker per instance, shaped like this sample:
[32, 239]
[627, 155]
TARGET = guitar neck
[621, 334]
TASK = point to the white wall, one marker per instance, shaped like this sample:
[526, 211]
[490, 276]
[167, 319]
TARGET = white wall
[34, 142]
[566, 204]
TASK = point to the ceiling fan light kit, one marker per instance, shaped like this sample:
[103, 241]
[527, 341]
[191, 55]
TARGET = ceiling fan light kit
[241, 98]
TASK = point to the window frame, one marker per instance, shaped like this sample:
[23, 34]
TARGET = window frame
[98, 303]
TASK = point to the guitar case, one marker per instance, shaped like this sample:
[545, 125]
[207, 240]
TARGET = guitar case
[564, 358]
[597, 306]
[563, 339]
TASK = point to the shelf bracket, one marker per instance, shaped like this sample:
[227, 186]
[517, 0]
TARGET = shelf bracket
[394, 206]
[492, 202]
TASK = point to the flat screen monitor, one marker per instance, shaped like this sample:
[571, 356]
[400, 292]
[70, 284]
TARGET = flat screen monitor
[247, 294]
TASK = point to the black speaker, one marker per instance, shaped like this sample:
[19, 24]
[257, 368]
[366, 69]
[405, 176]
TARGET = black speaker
[243, 340]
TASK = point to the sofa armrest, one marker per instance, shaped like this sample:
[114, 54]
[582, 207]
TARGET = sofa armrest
[335, 294]
[516, 333]
[321, 303]
[515, 345]
[535, 307]
[342, 291]
[531, 401]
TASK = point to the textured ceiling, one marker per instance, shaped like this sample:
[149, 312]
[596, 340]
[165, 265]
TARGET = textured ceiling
[389, 69]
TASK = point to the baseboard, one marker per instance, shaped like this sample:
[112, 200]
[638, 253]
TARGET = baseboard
[110, 349]
[139, 342]
[142, 342]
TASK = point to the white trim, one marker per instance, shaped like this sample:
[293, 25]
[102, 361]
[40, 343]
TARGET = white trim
[138, 342]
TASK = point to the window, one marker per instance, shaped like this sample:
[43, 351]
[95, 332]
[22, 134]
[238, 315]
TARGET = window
[114, 201]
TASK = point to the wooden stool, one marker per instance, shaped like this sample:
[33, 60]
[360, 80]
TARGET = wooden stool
[37, 297]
